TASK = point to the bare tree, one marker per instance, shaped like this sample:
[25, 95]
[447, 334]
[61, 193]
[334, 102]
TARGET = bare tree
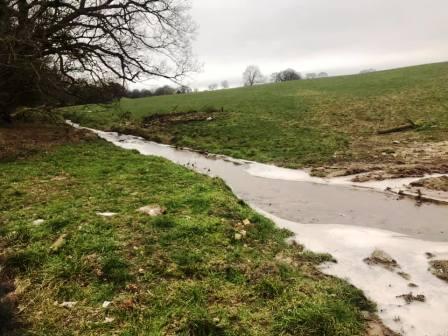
[285, 75]
[322, 75]
[225, 84]
[213, 87]
[164, 91]
[311, 75]
[252, 75]
[184, 89]
[96, 40]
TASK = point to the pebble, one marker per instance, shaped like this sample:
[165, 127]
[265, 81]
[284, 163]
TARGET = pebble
[68, 304]
[106, 214]
[106, 304]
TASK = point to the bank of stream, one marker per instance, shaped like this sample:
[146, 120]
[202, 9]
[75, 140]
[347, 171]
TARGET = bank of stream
[349, 220]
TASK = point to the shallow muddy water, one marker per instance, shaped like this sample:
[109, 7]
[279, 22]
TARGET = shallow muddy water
[349, 221]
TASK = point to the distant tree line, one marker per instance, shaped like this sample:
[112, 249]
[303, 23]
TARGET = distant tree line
[314, 75]
[214, 86]
[83, 92]
[285, 75]
[160, 91]
[253, 76]
[366, 71]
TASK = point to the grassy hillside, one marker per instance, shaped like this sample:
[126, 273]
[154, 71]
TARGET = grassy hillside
[181, 273]
[294, 123]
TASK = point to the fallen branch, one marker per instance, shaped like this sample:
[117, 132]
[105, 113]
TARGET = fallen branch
[411, 125]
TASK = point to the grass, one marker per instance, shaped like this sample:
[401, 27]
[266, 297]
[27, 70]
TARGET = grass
[182, 273]
[293, 124]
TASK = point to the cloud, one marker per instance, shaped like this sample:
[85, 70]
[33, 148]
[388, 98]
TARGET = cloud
[316, 35]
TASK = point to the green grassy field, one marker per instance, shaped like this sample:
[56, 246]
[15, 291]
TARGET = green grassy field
[297, 123]
[181, 273]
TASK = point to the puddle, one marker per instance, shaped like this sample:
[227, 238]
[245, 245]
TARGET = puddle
[367, 219]
[350, 245]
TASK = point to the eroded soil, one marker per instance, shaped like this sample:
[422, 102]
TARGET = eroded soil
[433, 183]
[397, 160]
[19, 140]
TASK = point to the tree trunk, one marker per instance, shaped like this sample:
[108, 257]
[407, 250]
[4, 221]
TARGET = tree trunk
[5, 116]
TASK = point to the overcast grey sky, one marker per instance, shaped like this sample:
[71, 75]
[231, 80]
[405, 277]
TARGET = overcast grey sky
[336, 36]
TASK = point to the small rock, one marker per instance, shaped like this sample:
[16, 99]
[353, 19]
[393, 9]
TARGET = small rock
[238, 236]
[68, 304]
[440, 269]
[152, 210]
[58, 243]
[382, 258]
[375, 328]
[396, 142]
[216, 320]
[106, 304]
[106, 214]
[38, 222]
[109, 319]
[412, 285]
[243, 233]
[246, 222]
[209, 118]
[141, 270]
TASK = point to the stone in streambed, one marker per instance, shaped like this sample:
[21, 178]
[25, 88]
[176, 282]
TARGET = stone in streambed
[379, 257]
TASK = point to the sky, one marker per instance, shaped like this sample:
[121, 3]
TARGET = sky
[334, 36]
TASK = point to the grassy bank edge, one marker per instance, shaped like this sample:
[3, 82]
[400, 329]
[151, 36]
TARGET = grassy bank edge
[99, 260]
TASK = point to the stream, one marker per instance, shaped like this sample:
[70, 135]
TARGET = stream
[348, 220]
